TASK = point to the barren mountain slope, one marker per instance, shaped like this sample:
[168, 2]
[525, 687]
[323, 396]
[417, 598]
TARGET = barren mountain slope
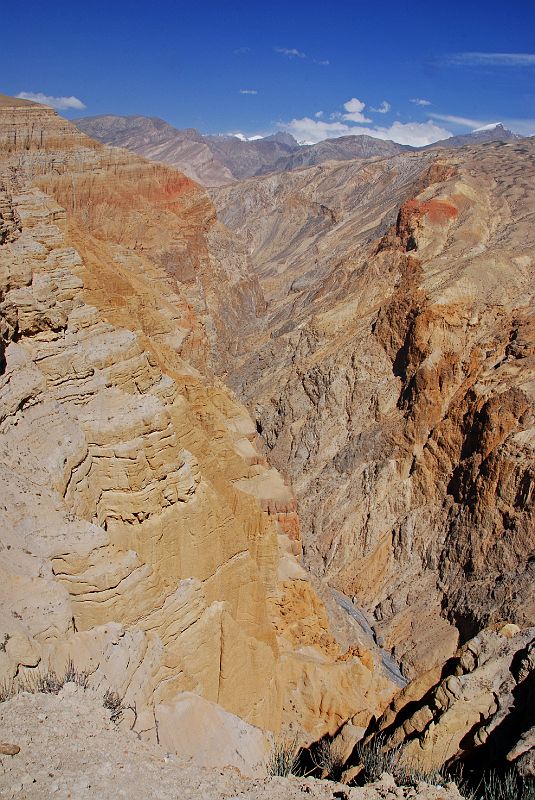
[245, 158]
[392, 379]
[220, 160]
[143, 536]
[211, 160]
[342, 148]
[154, 138]
[491, 133]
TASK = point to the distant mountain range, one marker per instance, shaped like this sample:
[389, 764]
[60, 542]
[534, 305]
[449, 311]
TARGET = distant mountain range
[219, 160]
[210, 160]
[490, 133]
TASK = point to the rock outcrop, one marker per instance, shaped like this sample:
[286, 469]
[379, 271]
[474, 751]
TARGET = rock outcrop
[479, 711]
[144, 537]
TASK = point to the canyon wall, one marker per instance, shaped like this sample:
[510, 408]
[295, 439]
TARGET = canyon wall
[391, 378]
[145, 538]
[374, 324]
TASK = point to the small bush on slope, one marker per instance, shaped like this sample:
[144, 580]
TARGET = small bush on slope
[328, 756]
[376, 757]
[284, 758]
[47, 683]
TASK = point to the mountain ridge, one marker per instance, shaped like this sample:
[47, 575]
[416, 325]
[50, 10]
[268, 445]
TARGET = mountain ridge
[216, 160]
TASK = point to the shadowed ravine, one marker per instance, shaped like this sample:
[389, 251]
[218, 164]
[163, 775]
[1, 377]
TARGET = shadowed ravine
[392, 669]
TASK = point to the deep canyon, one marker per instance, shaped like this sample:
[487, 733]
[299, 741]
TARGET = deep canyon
[265, 444]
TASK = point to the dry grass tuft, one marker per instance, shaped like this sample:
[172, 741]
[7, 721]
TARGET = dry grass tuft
[284, 758]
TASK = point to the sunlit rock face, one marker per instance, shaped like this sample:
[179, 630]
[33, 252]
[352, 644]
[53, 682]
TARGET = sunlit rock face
[476, 709]
[144, 536]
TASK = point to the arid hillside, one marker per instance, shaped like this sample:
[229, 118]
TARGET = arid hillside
[391, 378]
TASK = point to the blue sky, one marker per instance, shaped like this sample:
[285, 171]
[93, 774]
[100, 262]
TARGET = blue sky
[411, 71]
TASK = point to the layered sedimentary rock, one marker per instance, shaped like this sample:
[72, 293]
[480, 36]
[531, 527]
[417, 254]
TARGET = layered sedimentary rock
[376, 319]
[477, 709]
[392, 380]
[144, 538]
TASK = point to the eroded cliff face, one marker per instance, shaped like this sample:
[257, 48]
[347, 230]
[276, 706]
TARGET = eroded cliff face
[144, 537]
[392, 381]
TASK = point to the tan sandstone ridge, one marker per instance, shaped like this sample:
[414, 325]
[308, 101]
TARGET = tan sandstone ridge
[144, 537]
[477, 710]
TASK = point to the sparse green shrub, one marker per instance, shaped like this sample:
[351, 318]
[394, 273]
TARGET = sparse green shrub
[528, 788]
[49, 683]
[506, 786]
[43, 682]
[6, 691]
[497, 786]
[409, 774]
[284, 758]
[72, 675]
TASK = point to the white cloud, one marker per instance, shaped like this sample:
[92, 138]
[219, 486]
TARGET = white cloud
[242, 137]
[324, 62]
[384, 108]
[291, 52]
[248, 91]
[465, 122]
[240, 51]
[419, 101]
[492, 59]
[61, 103]
[417, 134]
[310, 131]
[355, 108]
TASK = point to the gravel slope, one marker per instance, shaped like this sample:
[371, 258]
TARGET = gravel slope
[69, 748]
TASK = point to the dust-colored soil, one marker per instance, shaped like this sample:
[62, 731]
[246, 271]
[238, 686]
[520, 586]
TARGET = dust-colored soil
[69, 748]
